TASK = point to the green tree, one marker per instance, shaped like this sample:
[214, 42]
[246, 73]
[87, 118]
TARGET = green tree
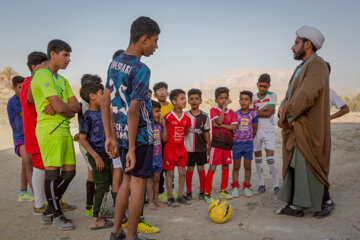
[6, 76]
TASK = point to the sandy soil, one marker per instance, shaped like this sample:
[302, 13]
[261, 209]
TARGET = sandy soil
[253, 218]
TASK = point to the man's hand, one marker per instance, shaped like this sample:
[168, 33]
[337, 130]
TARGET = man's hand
[99, 163]
[292, 124]
[110, 147]
[76, 137]
[49, 110]
[227, 102]
[281, 109]
[130, 161]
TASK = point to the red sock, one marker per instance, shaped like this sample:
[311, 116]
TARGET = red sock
[235, 184]
[202, 180]
[208, 182]
[246, 185]
[224, 179]
[189, 180]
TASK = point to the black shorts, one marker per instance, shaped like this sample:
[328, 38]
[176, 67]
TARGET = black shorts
[144, 159]
[199, 158]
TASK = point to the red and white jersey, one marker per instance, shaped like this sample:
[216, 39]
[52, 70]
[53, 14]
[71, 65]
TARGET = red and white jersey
[221, 137]
[176, 128]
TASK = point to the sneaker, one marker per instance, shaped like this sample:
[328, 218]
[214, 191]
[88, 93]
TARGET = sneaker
[121, 236]
[175, 195]
[146, 227]
[276, 190]
[201, 195]
[39, 211]
[287, 210]
[172, 203]
[326, 210]
[89, 210]
[65, 206]
[247, 192]
[184, 200]
[225, 195]
[260, 190]
[46, 219]
[208, 198]
[62, 223]
[139, 237]
[189, 195]
[25, 197]
[235, 192]
[163, 198]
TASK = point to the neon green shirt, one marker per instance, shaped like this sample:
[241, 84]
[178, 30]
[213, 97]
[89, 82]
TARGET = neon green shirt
[43, 85]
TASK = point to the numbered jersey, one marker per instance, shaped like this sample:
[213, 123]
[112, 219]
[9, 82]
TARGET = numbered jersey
[128, 79]
[176, 128]
[258, 103]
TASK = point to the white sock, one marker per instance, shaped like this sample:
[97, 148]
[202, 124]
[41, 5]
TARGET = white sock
[273, 170]
[259, 171]
[38, 179]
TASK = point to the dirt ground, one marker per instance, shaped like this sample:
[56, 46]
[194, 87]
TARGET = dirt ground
[253, 218]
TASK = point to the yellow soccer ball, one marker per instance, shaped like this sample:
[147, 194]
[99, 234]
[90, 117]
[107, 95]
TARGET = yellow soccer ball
[220, 211]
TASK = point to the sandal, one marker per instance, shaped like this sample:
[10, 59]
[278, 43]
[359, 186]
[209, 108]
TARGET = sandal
[108, 224]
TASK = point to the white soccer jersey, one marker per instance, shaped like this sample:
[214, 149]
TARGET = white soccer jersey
[258, 103]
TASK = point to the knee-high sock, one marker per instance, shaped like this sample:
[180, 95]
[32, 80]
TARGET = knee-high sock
[90, 192]
[38, 179]
[52, 192]
[208, 182]
[64, 181]
[224, 179]
[189, 176]
[202, 179]
[273, 170]
[259, 170]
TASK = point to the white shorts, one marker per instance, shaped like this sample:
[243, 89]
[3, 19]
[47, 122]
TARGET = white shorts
[117, 163]
[264, 136]
[84, 154]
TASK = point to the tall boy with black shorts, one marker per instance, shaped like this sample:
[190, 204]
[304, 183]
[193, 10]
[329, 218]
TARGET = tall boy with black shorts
[127, 88]
[52, 91]
[197, 142]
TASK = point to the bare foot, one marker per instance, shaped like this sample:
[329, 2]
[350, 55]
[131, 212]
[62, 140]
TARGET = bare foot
[159, 204]
[152, 206]
[97, 222]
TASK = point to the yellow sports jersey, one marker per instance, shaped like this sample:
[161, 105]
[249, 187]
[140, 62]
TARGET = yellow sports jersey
[166, 109]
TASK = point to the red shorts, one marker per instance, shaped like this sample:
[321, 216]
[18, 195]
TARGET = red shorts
[219, 156]
[37, 161]
[174, 156]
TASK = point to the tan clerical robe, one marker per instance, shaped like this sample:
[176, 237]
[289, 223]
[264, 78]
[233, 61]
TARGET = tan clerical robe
[309, 105]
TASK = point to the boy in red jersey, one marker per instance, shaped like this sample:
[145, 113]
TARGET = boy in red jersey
[223, 123]
[175, 154]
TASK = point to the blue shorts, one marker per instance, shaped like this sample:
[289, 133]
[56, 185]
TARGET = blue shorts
[144, 160]
[243, 149]
[157, 164]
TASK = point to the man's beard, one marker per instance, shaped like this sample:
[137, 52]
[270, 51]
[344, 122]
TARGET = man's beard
[299, 54]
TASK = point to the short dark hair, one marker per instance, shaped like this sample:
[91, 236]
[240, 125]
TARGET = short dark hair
[117, 53]
[221, 90]
[155, 104]
[249, 93]
[264, 78]
[194, 91]
[313, 47]
[329, 66]
[89, 87]
[90, 77]
[150, 91]
[17, 80]
[175, 93]
[160, 85]
[143, 26]
[57, 46]
[36, 58]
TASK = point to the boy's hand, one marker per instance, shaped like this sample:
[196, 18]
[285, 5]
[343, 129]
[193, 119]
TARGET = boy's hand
[216, 124]
[110, 147]
[227, 102]
[40, 66]
[76, 137]
[99, 163]
[208, 152]
[162, 122]
[130, 161]
[48, 110]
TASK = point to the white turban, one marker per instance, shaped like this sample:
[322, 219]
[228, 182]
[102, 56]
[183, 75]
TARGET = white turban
[314, 35]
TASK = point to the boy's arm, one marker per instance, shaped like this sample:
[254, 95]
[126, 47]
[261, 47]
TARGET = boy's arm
[343, 110]
[220, 119]
[74, 105]
[208, 141]
[30, 97]
[231, 127]
[266, 111]
[164, 131]
[99, 162]
[60, 107]
[110, 142]
[133, 123]
[255, 127]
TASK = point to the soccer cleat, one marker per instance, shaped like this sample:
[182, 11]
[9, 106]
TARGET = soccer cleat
[235, 192]
[25, 197]
[65, 206]
[276, 190]
[163, 198]
[175, 195]
[39, 211]
[189, 195]
[121, 236]
[201, 195]
[260, 190]
[225, 195]
[172, 203]
[208, 198]
[146, 227]
[62, 223]
[89, 210]
[247, 192]
[184, 200]
[326, 210]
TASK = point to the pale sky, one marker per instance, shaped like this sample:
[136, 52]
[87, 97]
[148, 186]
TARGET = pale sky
[198, 40]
